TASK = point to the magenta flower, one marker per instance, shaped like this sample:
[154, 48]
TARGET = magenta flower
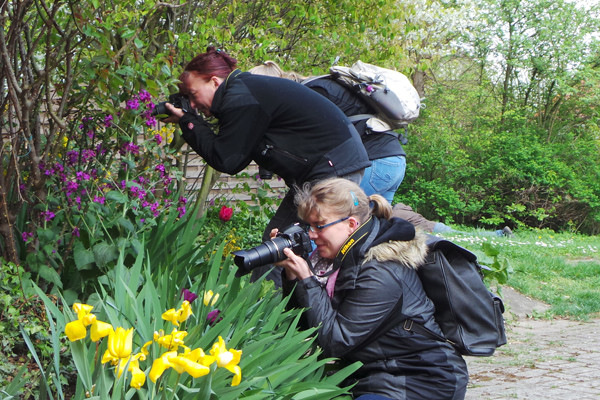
[145, 96]
[48, 215]
[26, 236]
[99, 199]
[225, 213]
[213, 317]
[181, 210]
[132, 104]
[108, 120]
[75, 232]
[158, 139]
[188, 296]
[151, 121]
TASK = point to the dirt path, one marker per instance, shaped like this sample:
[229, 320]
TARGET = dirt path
[557, 359]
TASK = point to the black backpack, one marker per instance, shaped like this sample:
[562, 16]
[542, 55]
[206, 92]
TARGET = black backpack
[468, 313]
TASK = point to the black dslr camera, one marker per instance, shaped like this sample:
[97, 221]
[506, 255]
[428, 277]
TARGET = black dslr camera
[177, 99]
[294, 237]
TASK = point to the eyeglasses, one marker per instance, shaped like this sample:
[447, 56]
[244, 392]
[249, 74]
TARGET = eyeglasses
[319, 228]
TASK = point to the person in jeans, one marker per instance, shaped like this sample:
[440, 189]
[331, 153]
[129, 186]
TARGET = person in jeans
[383, 145]
[361, 278]
[281, 125]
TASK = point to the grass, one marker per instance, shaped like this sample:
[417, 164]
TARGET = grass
[561, 269]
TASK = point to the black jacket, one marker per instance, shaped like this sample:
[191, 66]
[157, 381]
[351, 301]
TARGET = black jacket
[378, 144]
[377, 281]
[282, 125]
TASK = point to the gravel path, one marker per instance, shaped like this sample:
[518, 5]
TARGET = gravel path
[544, 359]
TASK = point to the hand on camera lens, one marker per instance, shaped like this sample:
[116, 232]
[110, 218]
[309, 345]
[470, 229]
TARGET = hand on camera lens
[176, 113]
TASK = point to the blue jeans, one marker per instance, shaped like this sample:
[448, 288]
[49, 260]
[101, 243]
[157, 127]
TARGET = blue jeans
[384, 176]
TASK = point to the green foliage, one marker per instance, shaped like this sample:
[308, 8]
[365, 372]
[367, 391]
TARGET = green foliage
[278, 360]
[20, 313]
[102, 194]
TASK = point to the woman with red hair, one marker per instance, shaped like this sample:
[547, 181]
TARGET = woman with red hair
[280, 124]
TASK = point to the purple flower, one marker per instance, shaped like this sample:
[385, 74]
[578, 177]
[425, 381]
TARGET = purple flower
[145, 96]
[181, 210]
[188, 296]
[82, 176]
[86, 155]
[99, 199]
[213, 317]
[130, 148]
[158, 139]
[151, 121]
[154, 208]
[72, 157]
[108, 120]
[48, 215]
[26, 236]
[71, 187]
[75, 232]
[132, 104]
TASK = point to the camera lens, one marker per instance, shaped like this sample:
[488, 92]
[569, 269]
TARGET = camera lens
[267, 253]
[160, 109]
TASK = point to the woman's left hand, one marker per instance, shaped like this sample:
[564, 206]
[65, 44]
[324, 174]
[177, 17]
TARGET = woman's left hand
[295, 266]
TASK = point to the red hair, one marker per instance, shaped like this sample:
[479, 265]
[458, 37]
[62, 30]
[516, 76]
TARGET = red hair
[215, 62]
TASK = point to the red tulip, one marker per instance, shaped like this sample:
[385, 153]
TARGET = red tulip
[225, 213]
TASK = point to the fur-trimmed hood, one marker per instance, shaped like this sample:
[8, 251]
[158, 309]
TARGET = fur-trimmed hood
[411, 253]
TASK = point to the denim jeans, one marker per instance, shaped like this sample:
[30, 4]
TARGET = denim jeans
[384, 176]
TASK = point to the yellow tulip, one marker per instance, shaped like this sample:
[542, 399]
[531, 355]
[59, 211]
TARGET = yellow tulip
[185, 311]
[228, 359]
[99, 330]
[75, 330]
[138, 377]
[82, 309]
[208, 296]
[120, 342]
[171, 315]
[193, 368]
[178, 316]
[161, 364]
[172, 341]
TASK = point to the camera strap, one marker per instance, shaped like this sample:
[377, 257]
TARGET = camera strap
[356, 238]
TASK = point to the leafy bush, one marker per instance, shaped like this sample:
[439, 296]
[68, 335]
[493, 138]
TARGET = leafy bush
[509, 175]
[103, 193]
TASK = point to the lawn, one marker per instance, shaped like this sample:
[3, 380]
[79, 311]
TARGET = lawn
[561, 269]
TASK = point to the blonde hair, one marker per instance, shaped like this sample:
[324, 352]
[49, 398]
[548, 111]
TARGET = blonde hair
[271, 68]
[268, 68]
[340, 197]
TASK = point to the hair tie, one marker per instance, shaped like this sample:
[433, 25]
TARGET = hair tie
[354, 198]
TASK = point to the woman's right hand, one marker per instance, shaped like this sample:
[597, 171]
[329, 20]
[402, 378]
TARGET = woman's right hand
[176, 114]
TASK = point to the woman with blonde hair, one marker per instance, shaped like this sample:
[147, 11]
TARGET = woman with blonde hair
[361, 277]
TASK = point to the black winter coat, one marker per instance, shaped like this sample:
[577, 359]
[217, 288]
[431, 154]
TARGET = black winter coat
[283, 126]
[377, 280]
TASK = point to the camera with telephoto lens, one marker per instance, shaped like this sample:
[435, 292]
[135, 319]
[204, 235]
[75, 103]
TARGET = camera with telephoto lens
[177, 99]
[294, 237]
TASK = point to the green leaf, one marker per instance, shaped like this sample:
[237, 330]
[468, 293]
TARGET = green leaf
[138, 43]
[83, 257]
[50, 275]
[105, 253]
[117, 196]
